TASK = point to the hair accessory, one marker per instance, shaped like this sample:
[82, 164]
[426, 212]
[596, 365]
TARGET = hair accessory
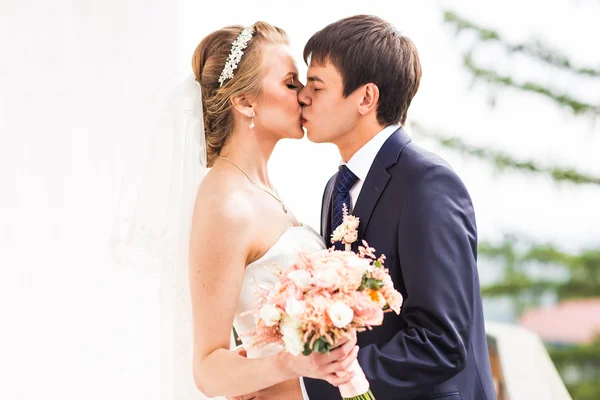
[237, 51]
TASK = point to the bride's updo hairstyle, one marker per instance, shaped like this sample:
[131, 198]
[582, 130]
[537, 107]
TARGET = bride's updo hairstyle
[208, 63]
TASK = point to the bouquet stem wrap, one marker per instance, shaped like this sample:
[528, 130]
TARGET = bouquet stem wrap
[358, 387]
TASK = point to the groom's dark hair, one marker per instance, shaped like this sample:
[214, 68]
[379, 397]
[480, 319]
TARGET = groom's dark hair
[367, 49]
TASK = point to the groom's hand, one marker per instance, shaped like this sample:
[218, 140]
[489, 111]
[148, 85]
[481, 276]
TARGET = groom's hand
[331, 367]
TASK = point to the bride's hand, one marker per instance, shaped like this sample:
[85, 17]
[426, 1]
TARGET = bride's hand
[288, 390]
[330, 367]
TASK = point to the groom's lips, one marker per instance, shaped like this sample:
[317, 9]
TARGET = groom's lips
[303, 121]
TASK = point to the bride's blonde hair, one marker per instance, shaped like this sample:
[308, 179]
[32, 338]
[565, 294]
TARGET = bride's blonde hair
[208, 62]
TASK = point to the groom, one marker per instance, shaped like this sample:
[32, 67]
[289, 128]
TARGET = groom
[412, 207]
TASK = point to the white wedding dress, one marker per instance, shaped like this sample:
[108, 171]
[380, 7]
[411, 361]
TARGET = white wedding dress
[260, 276]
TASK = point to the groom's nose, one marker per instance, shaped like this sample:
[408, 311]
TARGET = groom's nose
[303, 99]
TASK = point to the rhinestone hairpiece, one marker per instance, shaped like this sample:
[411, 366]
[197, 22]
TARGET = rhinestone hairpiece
[237, 51]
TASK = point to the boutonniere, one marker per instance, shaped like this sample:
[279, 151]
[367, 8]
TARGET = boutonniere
[347, 232]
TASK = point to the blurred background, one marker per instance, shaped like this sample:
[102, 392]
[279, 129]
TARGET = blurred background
[510, 96]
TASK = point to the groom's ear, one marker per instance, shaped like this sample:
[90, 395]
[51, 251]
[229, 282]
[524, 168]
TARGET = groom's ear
[243, 105]
[370, 98]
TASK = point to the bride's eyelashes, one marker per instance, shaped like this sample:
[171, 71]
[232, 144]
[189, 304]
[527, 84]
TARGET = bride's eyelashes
[292, 86]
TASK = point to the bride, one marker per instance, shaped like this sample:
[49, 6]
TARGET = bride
[242, 101]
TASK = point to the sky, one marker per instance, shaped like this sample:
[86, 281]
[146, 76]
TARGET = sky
[70, 72]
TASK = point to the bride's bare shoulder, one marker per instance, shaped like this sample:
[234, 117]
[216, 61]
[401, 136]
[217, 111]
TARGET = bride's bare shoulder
[221, 201]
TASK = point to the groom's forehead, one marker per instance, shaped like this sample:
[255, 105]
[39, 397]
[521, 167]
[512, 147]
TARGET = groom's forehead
[322, 72]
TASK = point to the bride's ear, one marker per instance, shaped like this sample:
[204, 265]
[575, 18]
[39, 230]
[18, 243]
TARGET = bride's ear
[243, 105]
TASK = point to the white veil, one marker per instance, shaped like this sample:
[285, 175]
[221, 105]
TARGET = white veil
[152, 229]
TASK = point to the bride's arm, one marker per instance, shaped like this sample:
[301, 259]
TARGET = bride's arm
[221, 245]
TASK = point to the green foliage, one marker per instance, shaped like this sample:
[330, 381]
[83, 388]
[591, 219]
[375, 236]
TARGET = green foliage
[371, 283]
[582, 270]
[586, 360]
[322, 345]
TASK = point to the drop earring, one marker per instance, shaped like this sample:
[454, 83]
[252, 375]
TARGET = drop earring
[252, 123]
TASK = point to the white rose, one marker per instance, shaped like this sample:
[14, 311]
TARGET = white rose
[301, 278]
[294, 308]
[340, 314]
[360, 265]
[270, 314]
[338, 234]
[328, 276]
[357, 266]
[292, 336]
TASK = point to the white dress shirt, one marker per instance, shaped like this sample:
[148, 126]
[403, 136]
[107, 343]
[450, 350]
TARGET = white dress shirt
[361, 161]
[360, 164]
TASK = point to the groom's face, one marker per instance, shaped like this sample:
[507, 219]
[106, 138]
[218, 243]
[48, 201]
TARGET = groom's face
[326, 114]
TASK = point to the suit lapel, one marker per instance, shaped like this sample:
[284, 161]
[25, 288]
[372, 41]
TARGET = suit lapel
[377, 179]
[325, 225]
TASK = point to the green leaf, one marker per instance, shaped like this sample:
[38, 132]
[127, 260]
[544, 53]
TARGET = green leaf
[363, 283]
[322, 345]
[307, 349]
[374, 284]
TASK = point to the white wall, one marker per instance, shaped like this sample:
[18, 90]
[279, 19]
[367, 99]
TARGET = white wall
[68, 72]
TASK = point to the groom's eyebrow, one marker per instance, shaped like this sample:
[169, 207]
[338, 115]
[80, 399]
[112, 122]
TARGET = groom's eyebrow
[314, 79]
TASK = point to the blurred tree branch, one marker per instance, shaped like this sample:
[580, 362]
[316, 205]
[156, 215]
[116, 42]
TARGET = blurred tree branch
[490, 76]
[502, 160]
[535, 50]
[518, 255]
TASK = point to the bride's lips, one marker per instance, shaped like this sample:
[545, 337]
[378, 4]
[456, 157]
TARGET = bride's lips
[303, 120]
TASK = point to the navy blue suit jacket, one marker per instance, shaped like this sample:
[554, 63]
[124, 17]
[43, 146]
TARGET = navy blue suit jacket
[414, 209]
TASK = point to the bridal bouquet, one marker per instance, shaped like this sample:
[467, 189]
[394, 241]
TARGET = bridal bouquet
[327, 296]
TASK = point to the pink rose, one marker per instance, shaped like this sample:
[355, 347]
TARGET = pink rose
[287, 291]
[394, 300]
[376, 297]
[367, 310]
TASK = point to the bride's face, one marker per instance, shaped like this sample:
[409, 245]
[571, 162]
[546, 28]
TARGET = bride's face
[278, 112]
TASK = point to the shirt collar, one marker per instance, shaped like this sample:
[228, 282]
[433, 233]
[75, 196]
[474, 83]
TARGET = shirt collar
[361, 161]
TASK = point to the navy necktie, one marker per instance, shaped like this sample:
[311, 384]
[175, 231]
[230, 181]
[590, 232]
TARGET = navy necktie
[341, 195]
